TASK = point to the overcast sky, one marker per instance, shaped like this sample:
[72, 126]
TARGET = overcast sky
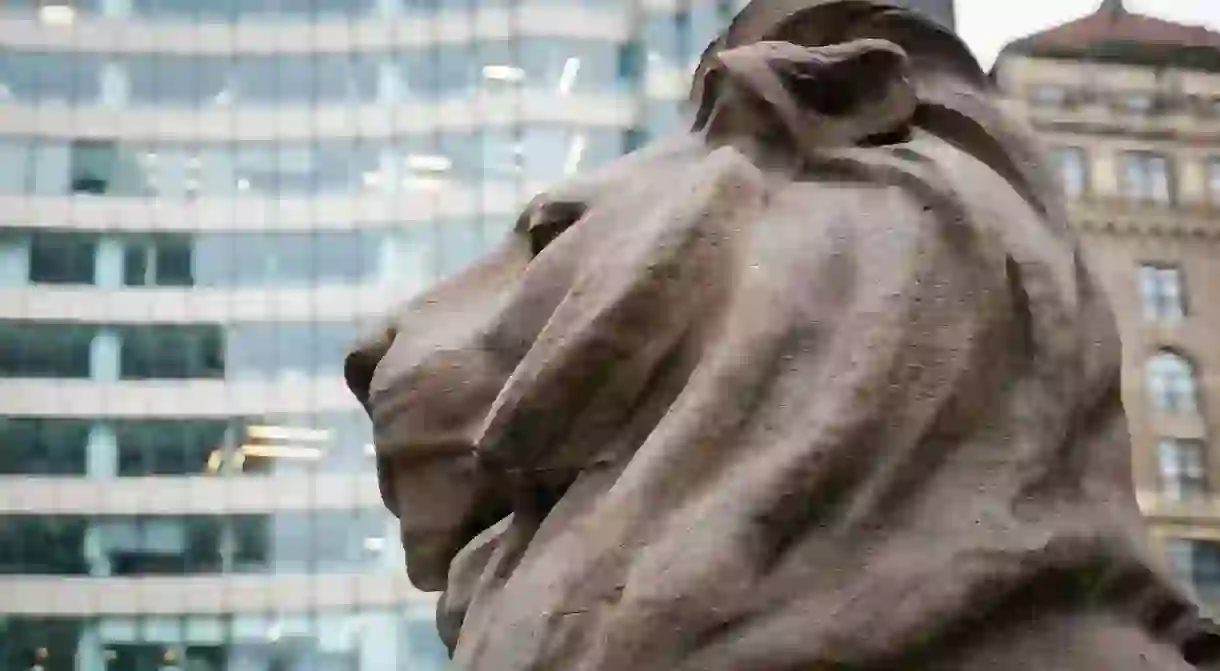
[988, 24]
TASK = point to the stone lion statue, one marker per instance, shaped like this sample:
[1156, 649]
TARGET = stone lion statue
[821, 382]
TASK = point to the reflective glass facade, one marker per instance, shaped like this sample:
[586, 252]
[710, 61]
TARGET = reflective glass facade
[203, 202]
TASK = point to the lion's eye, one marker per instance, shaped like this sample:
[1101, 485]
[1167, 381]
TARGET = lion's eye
[549, 220]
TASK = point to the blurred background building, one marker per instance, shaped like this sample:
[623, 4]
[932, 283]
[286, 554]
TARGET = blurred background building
[1130, 108]
[200, 203]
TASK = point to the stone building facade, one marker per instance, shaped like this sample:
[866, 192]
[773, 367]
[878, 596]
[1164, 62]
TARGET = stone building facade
[1129, 107]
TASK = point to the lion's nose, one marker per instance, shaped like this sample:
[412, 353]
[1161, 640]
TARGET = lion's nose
[362, 361]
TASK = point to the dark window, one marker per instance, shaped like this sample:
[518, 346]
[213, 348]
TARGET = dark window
[336, 541]
[43, 446]
[630, 63]
[45, 350]
[160, 260]
[634, 139]
[104, 167]
[172, 352]
[93, 166]
[167, 447]
[162, 545]
[42, 545]
[252, 543]
[62, 258]
[37, 643]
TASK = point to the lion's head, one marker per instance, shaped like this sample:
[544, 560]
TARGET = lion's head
[819, 381]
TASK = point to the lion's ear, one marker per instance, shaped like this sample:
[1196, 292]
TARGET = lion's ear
[546, 217]
[836, 95]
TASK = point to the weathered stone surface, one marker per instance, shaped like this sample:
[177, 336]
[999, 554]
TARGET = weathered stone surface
[822, 383]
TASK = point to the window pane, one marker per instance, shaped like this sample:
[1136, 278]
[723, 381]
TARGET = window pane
[105, 167]
[1198, 562]
[171, 352]
[1073, 172]
[46, 643]
[173, 261]
[1162, 293]
[42, 545]
[62, 258]
[136, 265]
[51, 168]
[1171, 383]
[1145, 176]
[274, 350]
[45, 350]
[418, 74]
[179, 81]
[49, 78]
[1051, 96]
[340, 78]
[43, 446]
[1183, 469]
[14, 165]
[167, 447]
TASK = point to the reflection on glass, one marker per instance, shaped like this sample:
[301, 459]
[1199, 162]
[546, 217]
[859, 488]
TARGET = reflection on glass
[254, 350]
[330, 640]
[232, 260]
[174, 351]
[49, 78]
[317, 541]
[167, 447]
[562, 66]
[162, 260]
[153, 352]
[252, 10]
[42, 545]
[52, 447]
[287, 259]
[45, 350]
[61, 257]
[184, 171]
[338, 442]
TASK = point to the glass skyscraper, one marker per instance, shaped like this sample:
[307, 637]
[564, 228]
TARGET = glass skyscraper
[201, 202]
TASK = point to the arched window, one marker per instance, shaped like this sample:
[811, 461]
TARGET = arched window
[1171, 383]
